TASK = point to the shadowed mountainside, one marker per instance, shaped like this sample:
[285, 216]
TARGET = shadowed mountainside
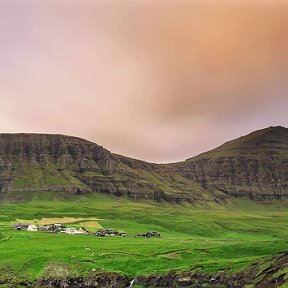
[254, 165]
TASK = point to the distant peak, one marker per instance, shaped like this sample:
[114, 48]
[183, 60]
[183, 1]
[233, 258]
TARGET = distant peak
[276, 128]
[267, 139]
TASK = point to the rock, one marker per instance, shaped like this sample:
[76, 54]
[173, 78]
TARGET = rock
[184, 280]
[101, 280]
[254, 276]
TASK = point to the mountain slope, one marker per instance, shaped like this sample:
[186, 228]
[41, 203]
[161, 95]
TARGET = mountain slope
[255, 165]
[65, 166]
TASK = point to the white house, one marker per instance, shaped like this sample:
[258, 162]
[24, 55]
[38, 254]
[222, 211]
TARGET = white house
[73, 231]
[32, 228]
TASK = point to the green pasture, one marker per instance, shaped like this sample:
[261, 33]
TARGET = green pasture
[211, 237]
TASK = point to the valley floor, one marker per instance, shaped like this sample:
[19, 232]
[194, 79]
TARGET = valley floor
[210, 238]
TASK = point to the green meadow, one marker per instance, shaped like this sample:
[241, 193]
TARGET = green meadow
[209, 237]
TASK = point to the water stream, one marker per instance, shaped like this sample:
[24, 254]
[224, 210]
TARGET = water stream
[131, 284]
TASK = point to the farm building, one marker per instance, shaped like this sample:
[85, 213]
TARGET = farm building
[32, 228]
[20, 226]
[75, 231]
[100, 233]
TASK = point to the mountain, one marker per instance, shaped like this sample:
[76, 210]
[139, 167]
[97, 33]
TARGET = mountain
[254, 165]
[67, 166]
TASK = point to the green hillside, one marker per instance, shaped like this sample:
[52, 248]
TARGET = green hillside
[214, 238]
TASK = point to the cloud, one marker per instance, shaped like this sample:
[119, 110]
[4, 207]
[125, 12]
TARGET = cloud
[214, 60]
[156, 80]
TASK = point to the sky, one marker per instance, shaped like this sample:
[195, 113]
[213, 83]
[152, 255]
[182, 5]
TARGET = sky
[160, 81]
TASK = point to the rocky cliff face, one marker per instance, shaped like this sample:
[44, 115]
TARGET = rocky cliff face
[255, 166]
[33, 163]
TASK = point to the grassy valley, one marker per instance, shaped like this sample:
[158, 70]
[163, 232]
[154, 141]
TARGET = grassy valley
[211, 238]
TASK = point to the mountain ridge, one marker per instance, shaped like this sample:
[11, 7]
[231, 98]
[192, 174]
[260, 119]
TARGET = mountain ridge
[264, 132]
[253, 166]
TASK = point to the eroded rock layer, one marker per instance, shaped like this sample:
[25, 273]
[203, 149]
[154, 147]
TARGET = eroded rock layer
[254, 166]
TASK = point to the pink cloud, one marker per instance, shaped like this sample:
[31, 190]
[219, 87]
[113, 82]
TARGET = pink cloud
[159, 80]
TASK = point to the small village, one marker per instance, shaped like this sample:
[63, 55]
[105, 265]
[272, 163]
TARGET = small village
[60, 228]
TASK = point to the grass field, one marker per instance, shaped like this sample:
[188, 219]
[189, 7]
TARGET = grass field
[215, 238]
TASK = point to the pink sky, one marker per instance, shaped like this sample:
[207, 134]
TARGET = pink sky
[156, 80]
